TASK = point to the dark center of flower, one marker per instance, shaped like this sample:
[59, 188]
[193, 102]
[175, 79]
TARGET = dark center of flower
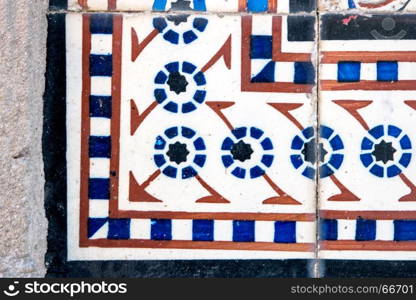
[178, 19]
[241, 151]
[383, 152]
[311, 151]
[179, 5]
[177, 82]
[177, 152]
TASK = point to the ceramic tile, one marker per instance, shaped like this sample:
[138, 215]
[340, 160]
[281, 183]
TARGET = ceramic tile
[367, 190]
[200, 134]
[251, 6]
[190, 136]
[367, 6]
[55, 5]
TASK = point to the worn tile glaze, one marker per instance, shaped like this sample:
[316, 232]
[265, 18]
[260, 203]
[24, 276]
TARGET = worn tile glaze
[367, 6]
[230, 6]
[161, 158]
[197, 130]
[367, 78]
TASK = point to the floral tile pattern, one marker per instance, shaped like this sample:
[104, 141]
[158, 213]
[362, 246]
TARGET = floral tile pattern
[367, 198]
[214, 129]
[163, 164]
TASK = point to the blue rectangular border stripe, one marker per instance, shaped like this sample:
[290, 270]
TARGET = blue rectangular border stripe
[99, 188]
[101, 23]
[285, 232]
[100, 106]
[404, 230]
[203, 230]
[101, 65]
[100, 146]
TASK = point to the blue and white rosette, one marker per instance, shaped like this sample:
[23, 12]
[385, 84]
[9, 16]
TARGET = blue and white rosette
[329, 152]
[195, 147]
[184, 32]
[399, 143]
[186, 101]
[260, 159]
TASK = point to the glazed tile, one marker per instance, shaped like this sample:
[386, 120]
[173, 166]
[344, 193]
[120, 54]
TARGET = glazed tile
[250, 6]
[367, 6]
[190, 136]
[367, 112]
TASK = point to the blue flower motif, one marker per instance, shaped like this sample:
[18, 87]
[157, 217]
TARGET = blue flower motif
[176, 32]
[239, 148]
[180, 87]
[386, 151]
[179, 151]
[308, 153]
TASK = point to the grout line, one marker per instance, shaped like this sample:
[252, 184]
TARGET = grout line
[316, 12]
[317, 269]
[179, 12]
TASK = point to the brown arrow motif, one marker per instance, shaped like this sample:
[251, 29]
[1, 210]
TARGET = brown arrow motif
[136, 118]
[224, 52]
[136, 46]
[352, 107]
[284, 109]
[137, 192]
[283, 197]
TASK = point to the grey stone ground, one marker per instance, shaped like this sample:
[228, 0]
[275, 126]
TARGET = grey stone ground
[23, 29]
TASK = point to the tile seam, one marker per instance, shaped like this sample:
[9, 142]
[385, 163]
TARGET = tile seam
[317, 266]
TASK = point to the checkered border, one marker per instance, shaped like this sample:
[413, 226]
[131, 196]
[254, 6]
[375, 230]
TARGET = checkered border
[368, 230]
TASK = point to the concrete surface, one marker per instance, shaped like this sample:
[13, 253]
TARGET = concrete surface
[23, 226]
